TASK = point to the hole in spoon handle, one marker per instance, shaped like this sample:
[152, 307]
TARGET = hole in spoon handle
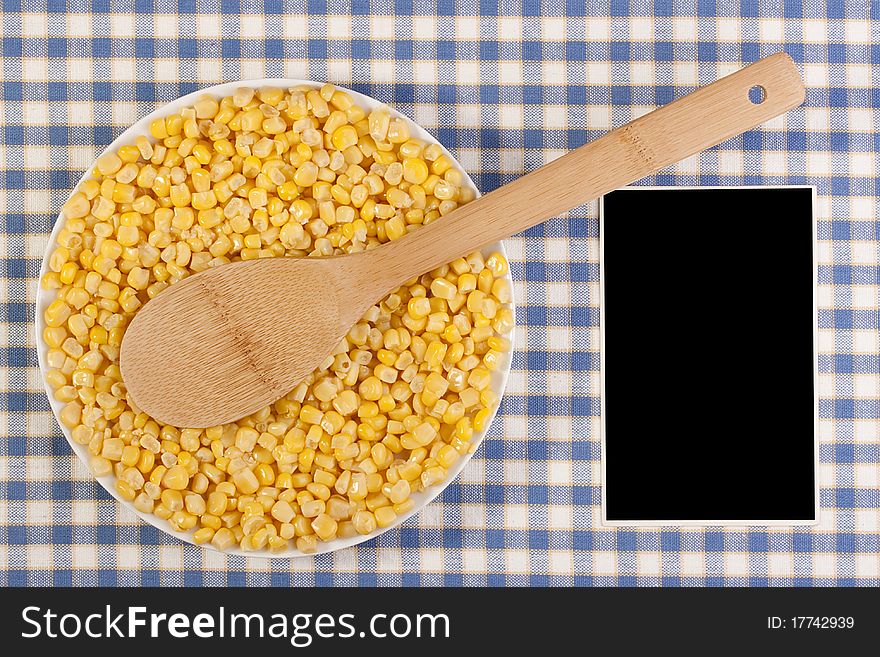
[757, 94]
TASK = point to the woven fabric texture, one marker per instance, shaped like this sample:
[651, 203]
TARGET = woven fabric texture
[507, 87]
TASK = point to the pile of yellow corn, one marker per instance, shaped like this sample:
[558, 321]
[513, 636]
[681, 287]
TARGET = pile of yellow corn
[260, 174]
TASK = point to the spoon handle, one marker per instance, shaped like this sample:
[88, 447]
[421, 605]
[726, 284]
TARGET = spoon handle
[693, 123]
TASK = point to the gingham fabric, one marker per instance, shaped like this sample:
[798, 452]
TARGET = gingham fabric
[507, 87]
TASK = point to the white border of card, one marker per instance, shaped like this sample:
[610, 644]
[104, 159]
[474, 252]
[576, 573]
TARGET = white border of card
[702, 523]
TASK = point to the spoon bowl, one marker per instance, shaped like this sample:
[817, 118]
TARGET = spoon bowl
[234, 328]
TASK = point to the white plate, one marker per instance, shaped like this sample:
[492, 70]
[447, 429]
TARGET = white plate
[45, 297]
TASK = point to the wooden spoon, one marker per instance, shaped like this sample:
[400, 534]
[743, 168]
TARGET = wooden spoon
[226, 342]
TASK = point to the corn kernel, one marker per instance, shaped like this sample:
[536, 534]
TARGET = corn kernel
[108, 164]
[175, 478]
[385, 516]
[415, 171]
[324, 527]
[246, 481]
[442, 288]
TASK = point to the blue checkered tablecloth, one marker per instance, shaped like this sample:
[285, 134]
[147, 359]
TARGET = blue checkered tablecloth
[506, 86]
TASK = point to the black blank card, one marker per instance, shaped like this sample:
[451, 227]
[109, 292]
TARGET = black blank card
[708, 324]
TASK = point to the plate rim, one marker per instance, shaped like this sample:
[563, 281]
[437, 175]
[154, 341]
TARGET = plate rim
[141, 127]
